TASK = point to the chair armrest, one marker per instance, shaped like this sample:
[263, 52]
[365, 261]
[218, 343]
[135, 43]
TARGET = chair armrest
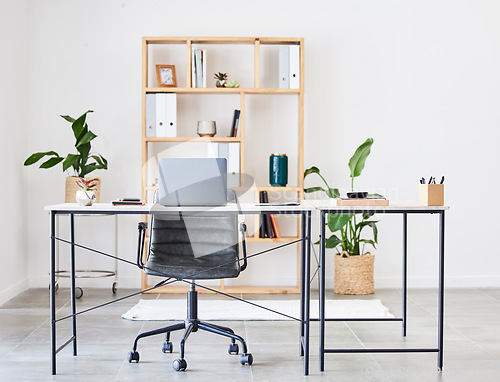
[143, 227]
[243, 230]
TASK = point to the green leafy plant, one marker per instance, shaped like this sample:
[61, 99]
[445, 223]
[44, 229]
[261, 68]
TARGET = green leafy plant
[348, 226]
[82, 163]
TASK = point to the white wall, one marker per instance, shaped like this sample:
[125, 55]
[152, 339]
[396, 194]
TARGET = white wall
[420, 77]
[13, 127]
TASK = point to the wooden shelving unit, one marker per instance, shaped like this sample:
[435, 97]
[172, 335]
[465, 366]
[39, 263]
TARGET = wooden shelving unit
[148, 88]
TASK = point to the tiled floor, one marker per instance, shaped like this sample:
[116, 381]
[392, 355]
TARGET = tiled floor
[472, 343]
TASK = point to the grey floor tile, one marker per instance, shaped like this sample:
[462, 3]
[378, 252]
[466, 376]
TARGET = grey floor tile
[471, 348]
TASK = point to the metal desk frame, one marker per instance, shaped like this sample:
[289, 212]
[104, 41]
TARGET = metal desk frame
[73, 209]
[440, 210]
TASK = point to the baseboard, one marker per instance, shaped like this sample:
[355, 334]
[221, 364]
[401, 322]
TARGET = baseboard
[13, 290]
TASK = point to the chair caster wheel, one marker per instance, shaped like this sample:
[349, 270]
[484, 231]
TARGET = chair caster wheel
[133, 356]
[233, 349]
[167, 347]
[78, 293]
[179, 364]
[114, 287]
[246, 358]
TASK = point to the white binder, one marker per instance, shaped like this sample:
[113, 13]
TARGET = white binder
[289, 66]
[294, 66]
[231, 151]
[284, 67]
[166, 115]
[150, 115]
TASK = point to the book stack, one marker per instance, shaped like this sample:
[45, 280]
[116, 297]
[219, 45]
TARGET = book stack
[199, 68]
[268, 224]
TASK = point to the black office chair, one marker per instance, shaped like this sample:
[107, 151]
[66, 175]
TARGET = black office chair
[193, 247]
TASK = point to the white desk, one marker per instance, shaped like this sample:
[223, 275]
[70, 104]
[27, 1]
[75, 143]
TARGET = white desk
[72, 209]
[404, 210]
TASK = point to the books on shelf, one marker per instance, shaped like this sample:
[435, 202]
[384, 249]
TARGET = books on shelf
[268, 224]
[234, 126]
[161, 115]
[199, 68]
[289, 66]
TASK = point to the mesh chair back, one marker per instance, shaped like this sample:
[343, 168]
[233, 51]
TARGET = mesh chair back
[197, 246]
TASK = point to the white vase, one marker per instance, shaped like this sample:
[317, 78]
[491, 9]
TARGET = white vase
[85, 198]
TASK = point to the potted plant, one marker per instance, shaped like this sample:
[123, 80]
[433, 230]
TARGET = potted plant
[221, 79]
[353, 266]
[82, 163]
[85, 195]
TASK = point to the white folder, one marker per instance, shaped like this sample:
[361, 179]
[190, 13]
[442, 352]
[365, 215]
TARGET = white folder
[166, 115]
[289, 66]
[150, 115]
[231, 151]
[294, 66]
[284, 67]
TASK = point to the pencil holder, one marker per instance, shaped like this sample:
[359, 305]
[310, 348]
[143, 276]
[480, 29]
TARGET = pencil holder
[431, 194]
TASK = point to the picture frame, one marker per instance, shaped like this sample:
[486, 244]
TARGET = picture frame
[165, 76]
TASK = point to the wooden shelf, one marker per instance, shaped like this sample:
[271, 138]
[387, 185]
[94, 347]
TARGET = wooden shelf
[193, 139]
[222, 40]
[183, 61]
[231, 289]
[222, 90]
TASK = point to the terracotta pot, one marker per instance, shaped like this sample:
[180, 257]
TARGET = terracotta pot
[72, 188]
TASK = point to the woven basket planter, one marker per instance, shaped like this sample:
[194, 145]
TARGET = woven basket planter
[354, 274]
[71, 189]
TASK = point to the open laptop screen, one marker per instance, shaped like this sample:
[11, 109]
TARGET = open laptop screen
[193, 181]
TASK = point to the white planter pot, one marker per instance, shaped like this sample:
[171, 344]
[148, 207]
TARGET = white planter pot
[85, 198]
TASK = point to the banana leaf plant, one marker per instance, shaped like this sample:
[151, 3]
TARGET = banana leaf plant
[347, 228]
[82, 163]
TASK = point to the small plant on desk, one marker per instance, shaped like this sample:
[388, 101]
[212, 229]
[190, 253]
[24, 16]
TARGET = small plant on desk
[85, 195]
[82, 163]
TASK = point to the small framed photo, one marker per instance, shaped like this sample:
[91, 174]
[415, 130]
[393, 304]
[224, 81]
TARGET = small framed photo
[165, 75]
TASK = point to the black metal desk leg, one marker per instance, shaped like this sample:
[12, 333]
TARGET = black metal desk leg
[405, 270]
[307, 289]
[441, 291]
[53, 291]
[72, 274]
[322, 292]
[302, 284]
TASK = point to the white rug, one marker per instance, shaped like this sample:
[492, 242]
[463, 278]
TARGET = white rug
[233, 310]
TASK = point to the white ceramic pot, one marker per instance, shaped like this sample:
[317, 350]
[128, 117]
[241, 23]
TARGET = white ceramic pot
[85, 198]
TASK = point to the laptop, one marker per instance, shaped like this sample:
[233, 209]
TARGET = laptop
[193, 181]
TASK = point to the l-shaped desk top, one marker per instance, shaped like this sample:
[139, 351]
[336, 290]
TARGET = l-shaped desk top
[234, 207]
